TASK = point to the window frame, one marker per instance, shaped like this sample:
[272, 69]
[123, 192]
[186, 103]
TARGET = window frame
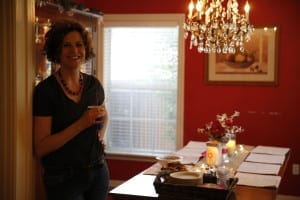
[148, 20]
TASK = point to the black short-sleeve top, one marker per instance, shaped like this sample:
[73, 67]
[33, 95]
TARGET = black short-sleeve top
[50, 100]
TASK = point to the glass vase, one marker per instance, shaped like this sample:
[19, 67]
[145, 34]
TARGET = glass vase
[225, 156]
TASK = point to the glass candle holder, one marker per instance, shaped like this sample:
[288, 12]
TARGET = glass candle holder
[213, 154]
[231, 145]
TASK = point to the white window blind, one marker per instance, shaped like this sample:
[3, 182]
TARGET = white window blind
[142, 80]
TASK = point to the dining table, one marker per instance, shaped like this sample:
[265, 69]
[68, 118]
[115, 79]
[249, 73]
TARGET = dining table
[141, 186]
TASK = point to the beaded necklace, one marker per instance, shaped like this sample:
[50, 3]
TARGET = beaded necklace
[68, 90]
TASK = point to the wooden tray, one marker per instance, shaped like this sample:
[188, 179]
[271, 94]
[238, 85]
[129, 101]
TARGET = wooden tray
[167, 189]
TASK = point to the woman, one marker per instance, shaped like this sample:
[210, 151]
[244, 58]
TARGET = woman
[65, 130]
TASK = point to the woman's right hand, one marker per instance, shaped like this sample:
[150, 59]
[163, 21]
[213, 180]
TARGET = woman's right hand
[91, 115]
[45, 142]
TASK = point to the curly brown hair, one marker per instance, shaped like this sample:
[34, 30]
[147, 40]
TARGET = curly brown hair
[55, 36]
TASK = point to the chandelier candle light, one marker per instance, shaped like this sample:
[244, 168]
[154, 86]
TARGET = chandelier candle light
[214, 28]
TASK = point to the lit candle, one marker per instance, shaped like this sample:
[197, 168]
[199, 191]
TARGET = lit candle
[191, 8]
[247, 10]
[231, 146]
[207, 16]
[241, 148]
[213, 154]
[199, 7]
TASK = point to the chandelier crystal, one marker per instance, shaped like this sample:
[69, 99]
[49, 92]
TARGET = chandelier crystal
[215, 26]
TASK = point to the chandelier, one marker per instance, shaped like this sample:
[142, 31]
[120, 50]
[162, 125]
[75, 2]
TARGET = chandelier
[216, 28]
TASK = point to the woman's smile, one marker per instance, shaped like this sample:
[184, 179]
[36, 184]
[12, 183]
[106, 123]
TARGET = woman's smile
[73, 50]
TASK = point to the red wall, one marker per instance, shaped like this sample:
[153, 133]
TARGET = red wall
[269, 114]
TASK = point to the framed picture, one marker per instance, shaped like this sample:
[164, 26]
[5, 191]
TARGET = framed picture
[256, 65]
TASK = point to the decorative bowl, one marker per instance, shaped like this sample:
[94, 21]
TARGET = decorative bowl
[166, 159]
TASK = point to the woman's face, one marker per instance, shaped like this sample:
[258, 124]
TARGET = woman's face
[73, 51]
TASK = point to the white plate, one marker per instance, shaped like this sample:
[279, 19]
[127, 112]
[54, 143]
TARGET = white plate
[186, 175]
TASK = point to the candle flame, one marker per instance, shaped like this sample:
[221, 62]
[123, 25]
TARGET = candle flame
[247, 7]
[191, 8]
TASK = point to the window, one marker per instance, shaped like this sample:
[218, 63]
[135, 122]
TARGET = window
[143, 81]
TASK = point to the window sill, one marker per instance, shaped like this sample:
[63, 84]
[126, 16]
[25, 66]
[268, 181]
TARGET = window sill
[131, 157]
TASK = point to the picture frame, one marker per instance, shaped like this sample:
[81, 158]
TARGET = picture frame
[258, 65]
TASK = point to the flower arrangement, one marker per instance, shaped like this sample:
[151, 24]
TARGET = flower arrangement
[223, 128]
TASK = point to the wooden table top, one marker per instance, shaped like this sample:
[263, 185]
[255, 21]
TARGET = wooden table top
[141, 187]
